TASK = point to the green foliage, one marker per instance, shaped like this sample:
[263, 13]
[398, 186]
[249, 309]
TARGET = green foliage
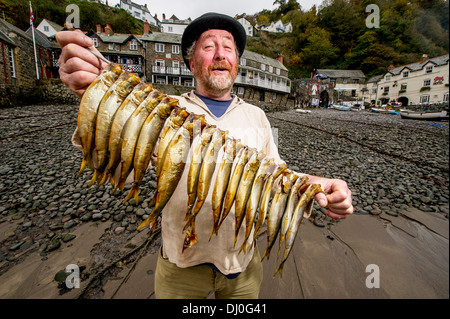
[17, 12]
[335, 35]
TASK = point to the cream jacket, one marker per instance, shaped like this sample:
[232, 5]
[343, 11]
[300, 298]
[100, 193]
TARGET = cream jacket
[249, 124]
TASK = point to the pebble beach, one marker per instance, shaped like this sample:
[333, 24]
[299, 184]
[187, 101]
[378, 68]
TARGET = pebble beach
[390, 164]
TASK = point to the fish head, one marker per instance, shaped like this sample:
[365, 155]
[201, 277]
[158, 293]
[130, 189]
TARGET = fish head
[195, 124]
[153, 99]
[165, 107]
[128, 82]
[110, 73]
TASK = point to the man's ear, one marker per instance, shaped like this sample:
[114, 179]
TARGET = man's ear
[191, 65]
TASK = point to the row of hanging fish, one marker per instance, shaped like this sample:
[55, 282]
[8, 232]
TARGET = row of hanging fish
[122, 120]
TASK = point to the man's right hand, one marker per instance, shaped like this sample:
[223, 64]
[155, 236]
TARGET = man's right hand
[77, 66]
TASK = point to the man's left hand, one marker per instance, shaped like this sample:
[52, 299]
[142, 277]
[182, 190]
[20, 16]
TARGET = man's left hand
[338, 197]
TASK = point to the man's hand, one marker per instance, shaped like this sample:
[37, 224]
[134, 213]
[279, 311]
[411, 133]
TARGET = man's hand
[77, 67]
[339, 199]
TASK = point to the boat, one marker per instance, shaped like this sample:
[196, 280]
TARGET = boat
[302, 111]
[378, 110]
[341, 107]
[393, 112]
[425, 115]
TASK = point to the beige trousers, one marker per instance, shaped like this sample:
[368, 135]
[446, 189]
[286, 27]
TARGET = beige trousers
[172, 282]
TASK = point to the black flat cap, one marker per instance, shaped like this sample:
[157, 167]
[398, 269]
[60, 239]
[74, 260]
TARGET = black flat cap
[210, 21]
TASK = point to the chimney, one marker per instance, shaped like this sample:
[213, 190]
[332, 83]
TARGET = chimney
[146, 27]
[280, 58]
[164, 16]
[99, 28]
[391, 67]
[423, 58]
[108, 30]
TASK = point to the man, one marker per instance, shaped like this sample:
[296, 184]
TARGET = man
[211, 47]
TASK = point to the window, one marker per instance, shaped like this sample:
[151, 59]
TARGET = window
[274, 96]
[175, 64]
[374, 91]
[160, 62]
[446, 97]
[344, 81]
[403, 87]
[175, 49]
[355, 81]
[12, 65]
[170, 29]
[241, 90]
[133, 45]
[263, 67]
[111, 47]
[425, 99]
[46, 28]
[406, 74]
[159, 47]
[427, 83]
[270, 69]
[137, 14]
[243, 62]
[429, 69]
[388, 77]
[95, 41]
[277, 71]
[386, 89]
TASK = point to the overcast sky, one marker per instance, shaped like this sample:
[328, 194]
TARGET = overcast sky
[184, 9]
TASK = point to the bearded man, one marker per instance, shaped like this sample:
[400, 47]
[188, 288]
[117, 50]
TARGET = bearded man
[211, 46]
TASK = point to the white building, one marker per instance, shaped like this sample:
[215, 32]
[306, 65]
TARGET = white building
[278, 27]
[138, 11]
[49, 28]
[349, 84]
[247, 26]
[422, 82]
[174, 25]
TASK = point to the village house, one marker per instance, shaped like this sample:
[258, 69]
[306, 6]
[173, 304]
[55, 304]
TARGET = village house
[164, 61]
[247, 26]
[124, 49]
[262, 79]
[277, 27]
[422, 82]
[349, 84]
[173, 25]
[138, 11]
[369, 91]
[49, 28]
[18, 77]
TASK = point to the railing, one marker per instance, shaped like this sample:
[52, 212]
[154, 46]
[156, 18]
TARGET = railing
[136, 68]
[170, 70]
[263, 84]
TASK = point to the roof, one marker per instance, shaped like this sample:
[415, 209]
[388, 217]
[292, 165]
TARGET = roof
[332, 73]
[440, 60]
[4, 37]
[162, 37]
[43, 40]
[15, 29]
[263, 59]
[115, 38]
[375, 79]
[54, 25]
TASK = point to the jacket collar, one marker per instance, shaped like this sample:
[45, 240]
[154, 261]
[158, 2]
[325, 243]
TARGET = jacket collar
[193, 98]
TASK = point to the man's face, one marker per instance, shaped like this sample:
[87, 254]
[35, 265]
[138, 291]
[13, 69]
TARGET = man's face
[215, 62]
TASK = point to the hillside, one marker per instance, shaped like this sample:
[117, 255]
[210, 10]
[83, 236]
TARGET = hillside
[335, 34]
[17, 12]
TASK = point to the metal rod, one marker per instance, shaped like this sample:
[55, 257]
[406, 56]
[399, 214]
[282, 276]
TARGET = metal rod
[101, 57]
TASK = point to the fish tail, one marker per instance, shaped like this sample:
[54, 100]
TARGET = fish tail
[119, 185]
[279, 269]
[112, 180]
[105, 178]
[94, 178]
[83, 166]
[153, 200]
[266, 254]
[134, 192]
[144, 223]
